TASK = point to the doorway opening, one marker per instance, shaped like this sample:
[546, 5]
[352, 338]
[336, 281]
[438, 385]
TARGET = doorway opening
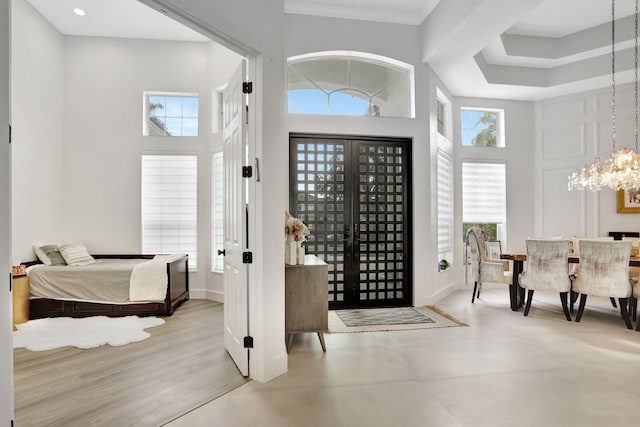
[353, 192]
[138, 80]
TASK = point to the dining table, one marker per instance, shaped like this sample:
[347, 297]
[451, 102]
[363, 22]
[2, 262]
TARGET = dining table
[516, 292]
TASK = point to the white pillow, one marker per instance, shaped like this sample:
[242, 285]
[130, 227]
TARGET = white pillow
[76, 254]
[48, 253]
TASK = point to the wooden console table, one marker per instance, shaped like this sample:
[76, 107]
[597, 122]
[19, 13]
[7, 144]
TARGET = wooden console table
[306, 299]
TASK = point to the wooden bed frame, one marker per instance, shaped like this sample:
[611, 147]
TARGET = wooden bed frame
[177, 293]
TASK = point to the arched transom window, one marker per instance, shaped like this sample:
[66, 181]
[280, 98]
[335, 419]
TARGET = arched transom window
[350, 83]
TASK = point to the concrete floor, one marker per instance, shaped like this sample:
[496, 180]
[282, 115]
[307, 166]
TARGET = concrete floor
[501, 370]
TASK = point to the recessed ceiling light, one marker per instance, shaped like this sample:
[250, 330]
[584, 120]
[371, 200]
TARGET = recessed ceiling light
[79, 11]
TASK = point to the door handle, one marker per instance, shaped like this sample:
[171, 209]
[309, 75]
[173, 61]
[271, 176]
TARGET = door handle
[222, 252]
[356, 232]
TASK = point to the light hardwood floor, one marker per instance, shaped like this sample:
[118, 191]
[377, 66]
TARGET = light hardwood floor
[181, 366]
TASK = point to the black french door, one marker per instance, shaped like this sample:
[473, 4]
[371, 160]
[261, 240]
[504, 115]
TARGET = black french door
[354, 194]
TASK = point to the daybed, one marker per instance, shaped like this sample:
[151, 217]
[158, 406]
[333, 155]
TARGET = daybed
[103, 287]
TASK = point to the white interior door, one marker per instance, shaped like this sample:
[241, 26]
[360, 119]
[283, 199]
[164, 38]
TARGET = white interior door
[6, 350]
[236, 305]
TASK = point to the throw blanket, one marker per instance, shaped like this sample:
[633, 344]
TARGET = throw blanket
[149, 279]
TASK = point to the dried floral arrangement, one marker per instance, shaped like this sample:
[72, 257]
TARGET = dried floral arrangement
[294, 228]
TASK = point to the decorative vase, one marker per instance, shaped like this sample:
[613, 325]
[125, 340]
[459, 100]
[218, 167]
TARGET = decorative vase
[300, 253]
[290, 251]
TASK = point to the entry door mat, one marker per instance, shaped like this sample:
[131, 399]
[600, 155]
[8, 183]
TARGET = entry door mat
[390, 319]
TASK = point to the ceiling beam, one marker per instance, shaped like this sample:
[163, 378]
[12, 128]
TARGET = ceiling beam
[464, 27]
[585, 69]
[572, 44]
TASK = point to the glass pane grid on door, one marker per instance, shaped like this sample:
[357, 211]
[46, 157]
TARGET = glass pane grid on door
[381, 237]
[320, 187]
[352, 195]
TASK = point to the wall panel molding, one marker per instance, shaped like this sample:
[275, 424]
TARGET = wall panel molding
[563, 142]
[602, 135]
[562, 109]
[602, 102]
[556, 199]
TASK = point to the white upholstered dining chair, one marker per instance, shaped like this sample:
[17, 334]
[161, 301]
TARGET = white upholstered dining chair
[604, 272]
[575, 243]
[482, 269]
[575, 268]
[547, 270]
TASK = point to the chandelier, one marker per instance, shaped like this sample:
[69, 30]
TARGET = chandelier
[621, 171]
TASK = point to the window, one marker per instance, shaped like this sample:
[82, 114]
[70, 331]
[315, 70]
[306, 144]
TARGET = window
[169, 205]
[440, 117]
[484, 198]
[217, 212]
[444, 205]
[350, 83]
[170, 114]
[481, 128]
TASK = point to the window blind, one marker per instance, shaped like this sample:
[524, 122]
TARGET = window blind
[444, 202]
[169, 205]
[483, 193]
[217, 212]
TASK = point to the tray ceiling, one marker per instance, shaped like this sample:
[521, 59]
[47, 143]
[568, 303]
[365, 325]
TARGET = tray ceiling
[524, 49]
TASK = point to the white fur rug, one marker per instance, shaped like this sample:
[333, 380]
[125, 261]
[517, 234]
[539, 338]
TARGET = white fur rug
[87, 332]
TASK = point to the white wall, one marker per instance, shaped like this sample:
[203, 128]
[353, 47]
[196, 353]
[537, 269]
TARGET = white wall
[6, 336]
[105, 79]
[518, 155]
[306, 34]
[38, 98]
[104, 83]
[572, 131]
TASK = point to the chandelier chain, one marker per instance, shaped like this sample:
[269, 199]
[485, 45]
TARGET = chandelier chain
[636, 75]
[613, 74]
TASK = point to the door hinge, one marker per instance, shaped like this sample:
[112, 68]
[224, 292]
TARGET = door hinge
[10, 282]
[247, 257]
[248, 342]
[247, 171]
[247, 87]
[9, 134]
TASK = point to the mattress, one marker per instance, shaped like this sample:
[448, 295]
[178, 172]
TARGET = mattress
[106, 281]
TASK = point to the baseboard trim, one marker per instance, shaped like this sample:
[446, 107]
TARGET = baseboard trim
[441, 294]
[216, 296]
[197, 294]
